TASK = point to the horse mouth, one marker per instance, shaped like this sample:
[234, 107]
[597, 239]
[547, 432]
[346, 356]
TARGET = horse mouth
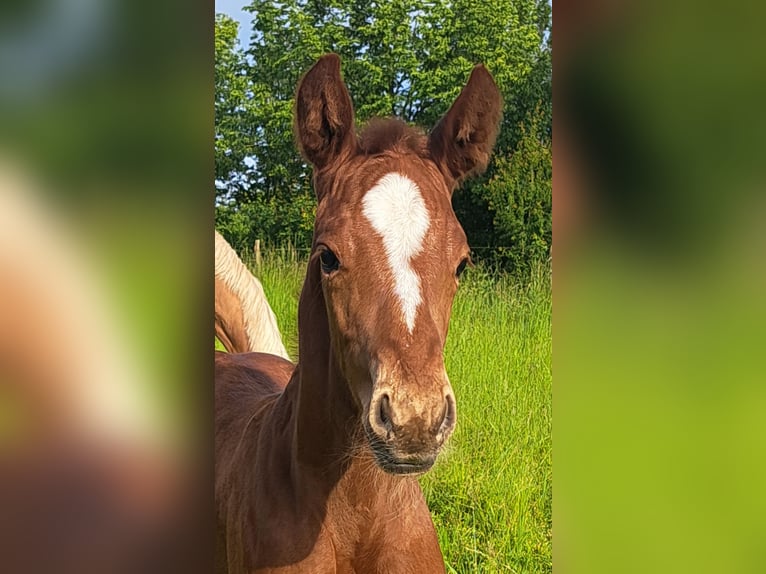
[389, 462]
[408, 467]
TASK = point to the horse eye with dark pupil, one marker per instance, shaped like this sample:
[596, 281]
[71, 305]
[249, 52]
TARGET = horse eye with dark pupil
[461, 267]
[329, 261]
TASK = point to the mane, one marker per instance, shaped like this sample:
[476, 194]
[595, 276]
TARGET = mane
[382, 135]
[260, 322]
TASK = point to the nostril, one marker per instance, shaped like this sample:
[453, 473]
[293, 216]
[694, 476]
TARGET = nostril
[384, 412]
[450, 414]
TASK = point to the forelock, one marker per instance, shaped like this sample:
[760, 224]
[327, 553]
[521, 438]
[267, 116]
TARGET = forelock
[392, 135]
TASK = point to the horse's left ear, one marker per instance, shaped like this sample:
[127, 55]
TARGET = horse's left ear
[324, 114]
[462, 141]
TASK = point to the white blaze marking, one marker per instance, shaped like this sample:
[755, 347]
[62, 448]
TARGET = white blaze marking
[398, 213]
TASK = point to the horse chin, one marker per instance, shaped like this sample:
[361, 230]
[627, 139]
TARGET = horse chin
[389, 462]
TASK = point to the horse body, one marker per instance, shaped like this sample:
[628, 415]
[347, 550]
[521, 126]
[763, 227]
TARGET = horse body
[316, 466]
[244, 321]
[311, 498]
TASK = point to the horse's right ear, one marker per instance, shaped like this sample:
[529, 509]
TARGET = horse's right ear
[324, 114]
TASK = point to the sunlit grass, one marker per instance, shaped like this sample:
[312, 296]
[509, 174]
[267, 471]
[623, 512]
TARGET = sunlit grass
[490, 497]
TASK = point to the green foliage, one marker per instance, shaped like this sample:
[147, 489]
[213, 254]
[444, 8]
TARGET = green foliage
[519, 195]
[272, 221]
[402, 58]
[232, 100]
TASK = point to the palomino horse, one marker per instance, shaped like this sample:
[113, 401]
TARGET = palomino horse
[244, 320]
[316, 464]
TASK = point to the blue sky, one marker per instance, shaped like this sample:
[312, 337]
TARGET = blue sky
[233, 8]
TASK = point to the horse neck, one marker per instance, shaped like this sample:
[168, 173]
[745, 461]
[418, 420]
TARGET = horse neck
[327, 421]
[329, 450]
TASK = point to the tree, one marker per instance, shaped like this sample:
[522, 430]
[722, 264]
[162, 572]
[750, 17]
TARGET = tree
[232, 100]
[401, 57]
[519, 197]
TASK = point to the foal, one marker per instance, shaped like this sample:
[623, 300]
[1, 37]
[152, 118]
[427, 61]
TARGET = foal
[317, 464]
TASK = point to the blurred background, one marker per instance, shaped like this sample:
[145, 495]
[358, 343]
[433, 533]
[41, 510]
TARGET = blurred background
[660, 276]
[106, 203]
[105, 295]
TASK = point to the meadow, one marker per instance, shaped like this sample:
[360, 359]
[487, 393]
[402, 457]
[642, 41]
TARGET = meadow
[490, 493]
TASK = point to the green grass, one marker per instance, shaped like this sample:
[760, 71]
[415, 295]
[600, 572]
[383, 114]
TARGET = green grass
[490, 492]
[490, 497]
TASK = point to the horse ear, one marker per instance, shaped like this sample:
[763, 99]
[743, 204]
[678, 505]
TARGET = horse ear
[324, 114]
[462, 141]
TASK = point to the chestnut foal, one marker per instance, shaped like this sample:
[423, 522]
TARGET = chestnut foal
[317, 464]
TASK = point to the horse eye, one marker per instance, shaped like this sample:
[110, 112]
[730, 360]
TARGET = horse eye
[329, 262]
[461, 267]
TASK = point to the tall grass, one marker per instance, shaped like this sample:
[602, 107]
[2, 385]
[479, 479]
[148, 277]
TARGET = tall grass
[490, 497]
[490, 493]
[281, 274]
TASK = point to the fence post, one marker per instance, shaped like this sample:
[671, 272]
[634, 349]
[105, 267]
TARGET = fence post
[257, 251]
